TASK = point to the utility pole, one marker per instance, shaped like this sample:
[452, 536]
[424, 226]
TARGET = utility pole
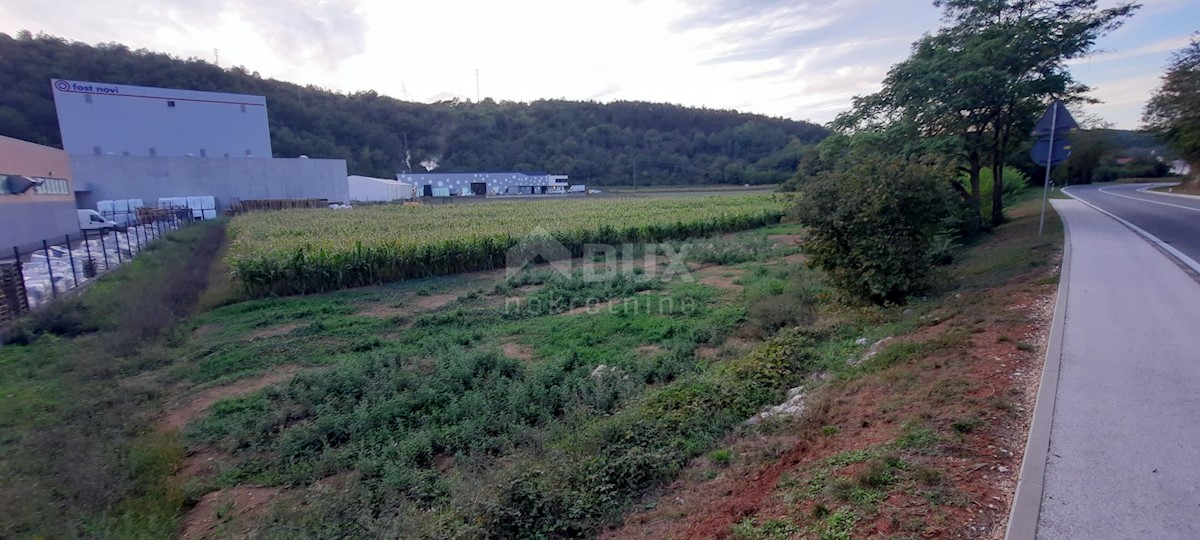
[217, 57]
[476, 85]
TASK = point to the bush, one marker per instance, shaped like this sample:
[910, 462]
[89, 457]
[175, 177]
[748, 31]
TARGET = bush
[873, 224]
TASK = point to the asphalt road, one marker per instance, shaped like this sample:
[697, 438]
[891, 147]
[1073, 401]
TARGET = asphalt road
[1174, 220]
[1124, 450]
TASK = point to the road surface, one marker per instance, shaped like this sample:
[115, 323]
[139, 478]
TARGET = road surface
[1124, 439]
[1174, 220]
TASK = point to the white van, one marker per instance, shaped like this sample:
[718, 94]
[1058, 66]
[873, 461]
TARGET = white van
[91, 220]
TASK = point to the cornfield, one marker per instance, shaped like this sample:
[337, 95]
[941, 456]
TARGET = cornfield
[318, 250]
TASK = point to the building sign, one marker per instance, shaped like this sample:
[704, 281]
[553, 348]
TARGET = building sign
[86, 88]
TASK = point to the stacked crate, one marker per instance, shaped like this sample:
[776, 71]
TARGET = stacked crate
[13, 302]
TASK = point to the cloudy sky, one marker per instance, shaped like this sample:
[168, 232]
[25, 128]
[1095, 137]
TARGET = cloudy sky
[801, 59]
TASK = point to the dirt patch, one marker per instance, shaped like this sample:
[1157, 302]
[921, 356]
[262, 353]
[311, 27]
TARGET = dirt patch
[383, 311]
[708, 353]
[517, 351]
[272, 331]
[204, 462]
[205, 329]
[180, 415]
[434, 301]
[227, 513]
[648, 350]
[786, 239]
[721, 282]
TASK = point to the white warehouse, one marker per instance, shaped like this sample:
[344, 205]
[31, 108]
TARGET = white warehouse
[136, 142]
[115, 119]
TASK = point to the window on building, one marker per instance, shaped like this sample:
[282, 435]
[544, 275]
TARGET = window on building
[248, 154]
[125, 153]
[243, 107]
[52, 186]
[203, 153]
[170, 103]
[87, 98]
[96, 150]
[153, 151]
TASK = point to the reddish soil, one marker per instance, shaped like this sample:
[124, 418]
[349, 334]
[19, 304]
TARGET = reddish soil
[206, 329]
[180, 415]
[227, 513]
[516, 350]
[721, 282]
[985, 374]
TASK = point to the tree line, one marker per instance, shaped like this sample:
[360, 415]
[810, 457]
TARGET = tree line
[618, 143]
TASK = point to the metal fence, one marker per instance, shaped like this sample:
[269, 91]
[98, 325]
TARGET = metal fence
[33, 274]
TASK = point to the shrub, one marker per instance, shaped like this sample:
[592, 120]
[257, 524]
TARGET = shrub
[873, 224]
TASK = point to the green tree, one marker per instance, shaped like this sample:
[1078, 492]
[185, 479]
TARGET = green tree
[979, 82]
[1174, 110]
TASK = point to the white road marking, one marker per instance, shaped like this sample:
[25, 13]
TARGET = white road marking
[1105, 191]
[1187, 261]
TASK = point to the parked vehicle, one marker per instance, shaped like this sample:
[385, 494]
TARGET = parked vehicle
[91, 220]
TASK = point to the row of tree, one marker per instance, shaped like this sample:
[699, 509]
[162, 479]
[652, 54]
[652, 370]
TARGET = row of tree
[622, 142]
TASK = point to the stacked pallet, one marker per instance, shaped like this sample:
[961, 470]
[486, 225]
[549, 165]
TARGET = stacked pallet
[13, 302]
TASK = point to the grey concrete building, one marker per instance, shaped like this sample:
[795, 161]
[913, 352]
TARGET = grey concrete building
[484, 183]
[105, 119]
[101, 178]
[45, 206]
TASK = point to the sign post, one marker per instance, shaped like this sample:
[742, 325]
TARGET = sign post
[1052, 147]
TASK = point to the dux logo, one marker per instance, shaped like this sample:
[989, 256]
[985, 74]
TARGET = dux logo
[536, 247]
[62, 85]
[600, 262]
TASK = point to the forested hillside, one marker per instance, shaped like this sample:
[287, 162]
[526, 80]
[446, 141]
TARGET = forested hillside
[626, 143]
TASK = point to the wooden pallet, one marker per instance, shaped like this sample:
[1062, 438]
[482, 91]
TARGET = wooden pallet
[13, 301]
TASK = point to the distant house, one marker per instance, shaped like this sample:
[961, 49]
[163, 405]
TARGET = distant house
[1124, 160]
[485, 183]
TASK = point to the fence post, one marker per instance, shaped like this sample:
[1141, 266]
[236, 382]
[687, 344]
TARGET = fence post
[117, 241]
[71, 254]
[49, 268]
[104, 249]
[88, 248]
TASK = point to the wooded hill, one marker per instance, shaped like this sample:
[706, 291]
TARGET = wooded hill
[619, 143]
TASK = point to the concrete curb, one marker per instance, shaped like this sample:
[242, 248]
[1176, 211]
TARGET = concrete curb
[1186, 261]
[1150, 190]
[1027, 502]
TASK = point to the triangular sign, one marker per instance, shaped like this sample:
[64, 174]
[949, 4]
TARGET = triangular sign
[1061, 121]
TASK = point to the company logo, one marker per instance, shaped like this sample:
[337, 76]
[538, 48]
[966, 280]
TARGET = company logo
[68, 86]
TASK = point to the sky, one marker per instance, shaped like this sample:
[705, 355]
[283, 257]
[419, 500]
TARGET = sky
[801, 59]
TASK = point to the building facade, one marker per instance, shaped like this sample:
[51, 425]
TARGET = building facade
[103, 119]
[484, 183]
[37, 200]
[100, 178]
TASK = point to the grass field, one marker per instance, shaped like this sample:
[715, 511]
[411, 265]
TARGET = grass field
[304, 251]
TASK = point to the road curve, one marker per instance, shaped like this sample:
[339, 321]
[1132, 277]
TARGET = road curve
[1124, 440]
[1173, 220]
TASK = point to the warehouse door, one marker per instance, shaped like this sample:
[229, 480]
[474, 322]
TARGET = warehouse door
[427, 190]
[478, 188]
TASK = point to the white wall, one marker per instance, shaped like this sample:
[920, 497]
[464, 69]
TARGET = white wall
[368, 189]
[130, 120]
[99, 178]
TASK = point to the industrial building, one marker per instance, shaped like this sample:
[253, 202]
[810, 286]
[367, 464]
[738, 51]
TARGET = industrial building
[120, 120]
[136, 142]
[368, 189]
[36, 194]
[485, 183]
